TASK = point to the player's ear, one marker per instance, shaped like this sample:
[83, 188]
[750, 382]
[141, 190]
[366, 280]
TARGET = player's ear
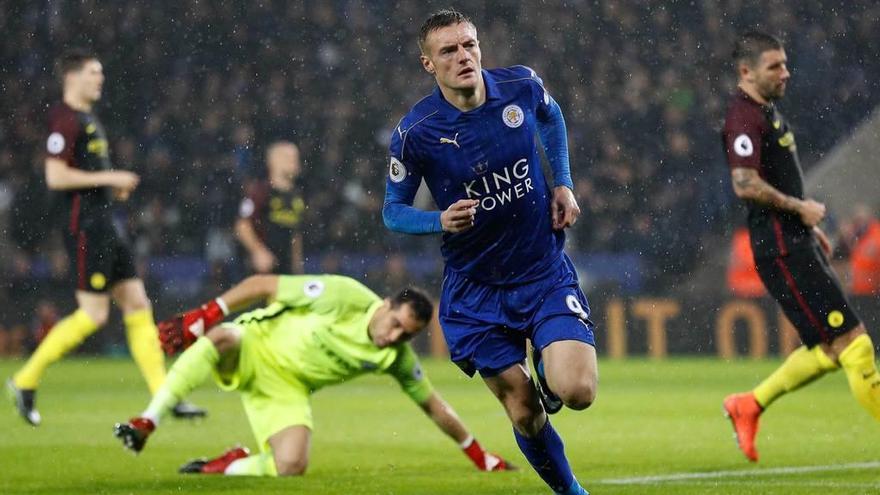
[427, 64]
[743, 69]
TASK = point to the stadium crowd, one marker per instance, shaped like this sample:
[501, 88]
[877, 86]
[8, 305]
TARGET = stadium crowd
[196, 90]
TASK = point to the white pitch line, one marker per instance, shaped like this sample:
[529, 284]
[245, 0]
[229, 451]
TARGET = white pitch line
[643, 480]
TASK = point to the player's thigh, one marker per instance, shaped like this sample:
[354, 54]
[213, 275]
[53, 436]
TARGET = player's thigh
[810, 296]
[93, 254]
[274, 401]
[128, 289]
[564, 335]
[479, 334]
[514, 389]
[95, 304]
[290, 449]
[226, 338]
[572, 372]
[130, 295]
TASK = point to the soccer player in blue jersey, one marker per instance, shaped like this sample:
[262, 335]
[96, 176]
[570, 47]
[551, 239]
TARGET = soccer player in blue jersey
[506, 278]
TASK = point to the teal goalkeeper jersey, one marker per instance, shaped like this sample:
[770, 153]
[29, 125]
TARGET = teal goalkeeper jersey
[316, 329]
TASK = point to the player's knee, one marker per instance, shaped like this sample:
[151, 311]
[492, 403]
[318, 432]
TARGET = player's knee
[137, 304]
[579, 395]
[577, 392]
[291, 466]
[224, 338]
[98, 315]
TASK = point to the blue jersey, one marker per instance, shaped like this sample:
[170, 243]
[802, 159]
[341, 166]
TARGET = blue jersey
[489, 154]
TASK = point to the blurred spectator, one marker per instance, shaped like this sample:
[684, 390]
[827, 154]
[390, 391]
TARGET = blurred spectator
[865, 253]
[742, 274]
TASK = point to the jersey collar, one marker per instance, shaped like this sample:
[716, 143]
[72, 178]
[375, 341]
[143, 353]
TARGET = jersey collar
[451, 113]
[747, 97]
[370, 312]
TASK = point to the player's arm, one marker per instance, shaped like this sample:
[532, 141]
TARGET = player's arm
[398, 213]
[297, 261]
[407, 370]
[748, 185]
[61, 177]
[60, 152]
[180, 331]
[442, 414]
[554, 137]
[262, 259]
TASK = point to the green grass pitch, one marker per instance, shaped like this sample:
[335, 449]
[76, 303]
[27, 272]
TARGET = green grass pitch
[652, 418]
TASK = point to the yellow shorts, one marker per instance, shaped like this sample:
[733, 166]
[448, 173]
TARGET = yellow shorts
[273, 399]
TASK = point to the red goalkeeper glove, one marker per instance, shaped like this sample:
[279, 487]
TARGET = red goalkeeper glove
[485, 461]
[179, 332]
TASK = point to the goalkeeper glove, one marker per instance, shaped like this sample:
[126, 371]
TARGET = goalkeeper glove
[485, 461]
[179, 332]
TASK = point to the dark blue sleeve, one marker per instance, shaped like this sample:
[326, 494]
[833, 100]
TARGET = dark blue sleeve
[400, 216]
[401, 185]
[554, 138]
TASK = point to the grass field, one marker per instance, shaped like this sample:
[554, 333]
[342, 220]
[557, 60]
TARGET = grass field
[652, 419]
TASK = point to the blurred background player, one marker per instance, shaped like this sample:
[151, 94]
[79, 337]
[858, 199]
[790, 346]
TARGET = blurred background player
[78, 165]
[316, 331]
[789, 247]
[506, 277]
[270, 215]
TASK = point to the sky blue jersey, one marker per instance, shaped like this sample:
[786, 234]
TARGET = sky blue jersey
[489, 154]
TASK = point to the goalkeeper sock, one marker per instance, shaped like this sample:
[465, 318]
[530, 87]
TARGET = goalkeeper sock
[143, 343]
[545, 452]
[62, 338]
[800, 368]
[190, 370]
[857, 361]
[253, 465]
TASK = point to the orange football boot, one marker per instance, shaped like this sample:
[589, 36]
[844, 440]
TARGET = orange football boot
[744, 411]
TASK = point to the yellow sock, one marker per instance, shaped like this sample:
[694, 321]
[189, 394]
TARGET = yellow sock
[143, 343]
[253, 465]
[64, 336]
[857, 361]
[800, 368]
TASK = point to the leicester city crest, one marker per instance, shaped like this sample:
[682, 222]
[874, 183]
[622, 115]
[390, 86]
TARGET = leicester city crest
[512, 116]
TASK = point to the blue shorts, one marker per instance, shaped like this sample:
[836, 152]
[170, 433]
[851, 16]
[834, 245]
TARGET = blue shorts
[486, 326]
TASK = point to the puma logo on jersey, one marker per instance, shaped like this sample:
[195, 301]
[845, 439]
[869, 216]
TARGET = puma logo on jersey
[453, 141]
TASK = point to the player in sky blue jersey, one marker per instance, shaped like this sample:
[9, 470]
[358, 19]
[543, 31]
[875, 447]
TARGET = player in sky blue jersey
[507, 278]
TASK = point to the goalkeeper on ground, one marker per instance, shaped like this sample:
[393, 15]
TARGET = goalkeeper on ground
[316, 330]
